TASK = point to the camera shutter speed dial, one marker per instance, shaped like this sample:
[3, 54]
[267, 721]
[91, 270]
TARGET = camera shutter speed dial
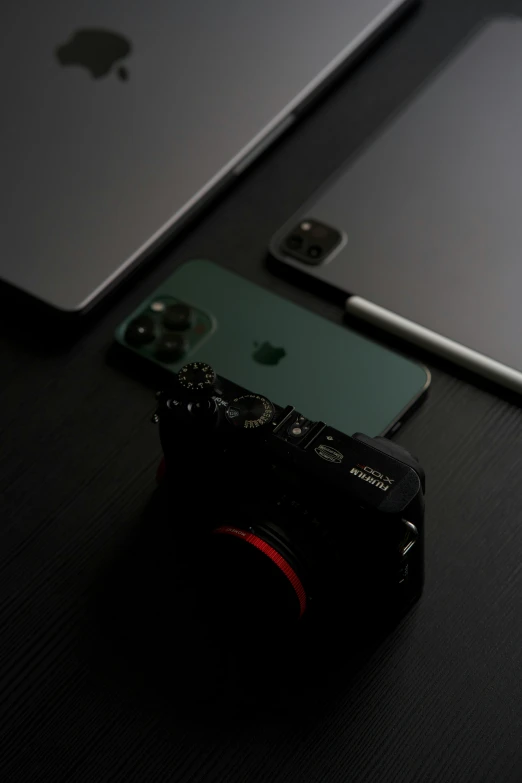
[250, 412]
[197, 378]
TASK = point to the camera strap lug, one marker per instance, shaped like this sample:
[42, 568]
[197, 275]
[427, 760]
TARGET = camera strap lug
[409, 539]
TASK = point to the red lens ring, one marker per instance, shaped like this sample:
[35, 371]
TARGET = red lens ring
[274, 556]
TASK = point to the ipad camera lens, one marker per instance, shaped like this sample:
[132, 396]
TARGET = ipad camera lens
[294, 241]
[315, 251]
[311, 242]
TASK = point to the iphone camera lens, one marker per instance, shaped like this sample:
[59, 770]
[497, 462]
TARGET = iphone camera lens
[140, 331]
[177, 317]
[170, 347]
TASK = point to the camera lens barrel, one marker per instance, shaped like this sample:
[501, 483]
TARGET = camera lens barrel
[275, 557]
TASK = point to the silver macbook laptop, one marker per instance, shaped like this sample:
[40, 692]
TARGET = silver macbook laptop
[120, 118]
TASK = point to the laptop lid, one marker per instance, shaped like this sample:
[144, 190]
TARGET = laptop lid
[120, 118]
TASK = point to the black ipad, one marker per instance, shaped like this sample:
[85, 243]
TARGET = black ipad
[423, 230]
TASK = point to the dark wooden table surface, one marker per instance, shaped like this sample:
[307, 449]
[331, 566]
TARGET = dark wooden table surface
[89, 692]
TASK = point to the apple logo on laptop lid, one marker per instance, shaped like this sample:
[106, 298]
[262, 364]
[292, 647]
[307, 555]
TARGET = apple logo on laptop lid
[96, 50]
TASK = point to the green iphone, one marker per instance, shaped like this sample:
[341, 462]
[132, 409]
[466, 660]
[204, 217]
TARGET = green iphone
[273, 347]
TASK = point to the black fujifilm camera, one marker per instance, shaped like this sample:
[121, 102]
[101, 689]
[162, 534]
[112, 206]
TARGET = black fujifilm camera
[300, 520]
